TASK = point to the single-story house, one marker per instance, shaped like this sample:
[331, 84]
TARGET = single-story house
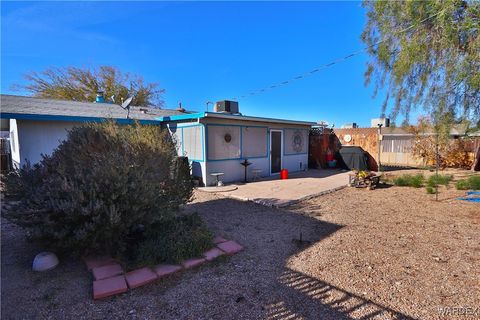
[214, 142]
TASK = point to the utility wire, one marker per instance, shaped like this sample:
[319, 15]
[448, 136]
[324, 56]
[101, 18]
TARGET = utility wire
[332, 63]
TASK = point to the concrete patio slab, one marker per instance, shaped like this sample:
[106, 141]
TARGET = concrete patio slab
[107, 271]
[140, 277]
[163, 270]
[109, 287]
[274, 192]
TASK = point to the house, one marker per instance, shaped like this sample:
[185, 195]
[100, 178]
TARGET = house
[38, 125]
[214, 142]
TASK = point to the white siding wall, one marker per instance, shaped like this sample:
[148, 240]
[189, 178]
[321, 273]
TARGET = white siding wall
[38, 137]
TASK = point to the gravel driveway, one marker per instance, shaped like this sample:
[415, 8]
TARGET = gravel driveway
[362, 257]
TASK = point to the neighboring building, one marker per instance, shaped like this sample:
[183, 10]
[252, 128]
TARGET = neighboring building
[38, 125]
[213, 141]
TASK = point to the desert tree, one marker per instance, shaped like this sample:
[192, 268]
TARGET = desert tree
[82, 84]
[425, 54]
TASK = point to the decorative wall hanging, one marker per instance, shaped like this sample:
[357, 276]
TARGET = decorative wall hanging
[297, 141]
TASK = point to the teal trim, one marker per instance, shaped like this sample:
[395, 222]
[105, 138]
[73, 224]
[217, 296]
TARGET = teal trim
[202, 139]
[251, 118]
[47, 117]
[241, 141]
[188, 116]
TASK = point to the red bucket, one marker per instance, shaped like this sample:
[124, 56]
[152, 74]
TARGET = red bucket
[284, 174]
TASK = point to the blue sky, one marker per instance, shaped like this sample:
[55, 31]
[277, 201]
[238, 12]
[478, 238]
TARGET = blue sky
[205, 51]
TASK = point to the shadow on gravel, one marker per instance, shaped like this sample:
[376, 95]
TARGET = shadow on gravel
[271, 237]
[326, 301]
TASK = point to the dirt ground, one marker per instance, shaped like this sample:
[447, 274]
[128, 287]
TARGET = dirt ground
[390, 253]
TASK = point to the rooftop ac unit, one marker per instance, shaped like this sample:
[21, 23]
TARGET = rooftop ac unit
[226, 106]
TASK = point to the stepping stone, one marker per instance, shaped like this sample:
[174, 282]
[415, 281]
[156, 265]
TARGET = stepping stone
[140, 277]
[230, 247]
[109, 287]
[163, 270]
[219, 239]
[95, 262]
[107, 271]
[191, 263]
[213, 254]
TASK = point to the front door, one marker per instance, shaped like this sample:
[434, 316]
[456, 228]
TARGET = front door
[275, 151]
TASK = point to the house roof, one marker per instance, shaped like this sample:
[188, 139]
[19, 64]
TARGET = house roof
[21, 107]
[228, 116]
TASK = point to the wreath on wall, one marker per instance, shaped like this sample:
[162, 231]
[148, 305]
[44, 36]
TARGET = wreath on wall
[297, 141]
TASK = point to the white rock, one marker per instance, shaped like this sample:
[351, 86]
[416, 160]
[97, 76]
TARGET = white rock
[44, 261]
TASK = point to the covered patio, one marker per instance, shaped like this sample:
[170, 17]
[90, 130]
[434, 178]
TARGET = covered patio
[274, 192]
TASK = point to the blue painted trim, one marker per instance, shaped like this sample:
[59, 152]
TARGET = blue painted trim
[224, 125]
[252, 118]
[47, 117]
[294, 154]
[188, 116]
[202, 139]
[241, 141]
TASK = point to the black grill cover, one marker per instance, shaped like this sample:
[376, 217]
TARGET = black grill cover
[353, 158]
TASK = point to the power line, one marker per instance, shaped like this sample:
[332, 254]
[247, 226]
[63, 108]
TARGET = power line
[332, 63]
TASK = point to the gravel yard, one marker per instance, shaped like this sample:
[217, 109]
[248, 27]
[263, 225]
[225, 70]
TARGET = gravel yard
[388, 253]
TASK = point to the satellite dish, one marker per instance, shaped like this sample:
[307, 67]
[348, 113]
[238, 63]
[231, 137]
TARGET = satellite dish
[126, 105]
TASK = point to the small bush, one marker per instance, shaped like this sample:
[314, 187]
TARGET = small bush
[101, 186]
[430, 190]
[436, 180]
[472, 183]
[407, 180]
[462, 185]
[175, 240]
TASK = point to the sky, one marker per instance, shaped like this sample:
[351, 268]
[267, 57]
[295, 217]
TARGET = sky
[204, 51]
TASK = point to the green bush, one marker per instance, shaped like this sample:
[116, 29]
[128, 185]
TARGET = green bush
[436, 180]
[472, 183]
[430, 190]
[102, 186]
[174, 241]
[407, 180]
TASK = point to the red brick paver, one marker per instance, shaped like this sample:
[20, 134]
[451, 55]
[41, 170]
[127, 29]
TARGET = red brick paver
[213, 254]
[230, 247]
[163, 270]
[107, 271]
[95, 262]
[191, 263]
[109, 287]
[140, 277]
[219, 239]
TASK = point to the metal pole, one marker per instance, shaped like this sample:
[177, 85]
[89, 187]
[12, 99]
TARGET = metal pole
[436, 166]
[379, 145]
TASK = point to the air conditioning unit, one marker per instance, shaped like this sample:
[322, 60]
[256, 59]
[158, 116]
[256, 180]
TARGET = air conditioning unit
[226, 106]
[385, 122]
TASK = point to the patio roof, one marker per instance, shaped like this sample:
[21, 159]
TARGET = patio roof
[237, 117]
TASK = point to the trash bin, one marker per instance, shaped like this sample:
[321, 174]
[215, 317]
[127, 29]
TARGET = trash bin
[284, 174]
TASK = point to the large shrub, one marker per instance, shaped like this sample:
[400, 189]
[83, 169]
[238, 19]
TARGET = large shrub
[102, 186]
[174, 241]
